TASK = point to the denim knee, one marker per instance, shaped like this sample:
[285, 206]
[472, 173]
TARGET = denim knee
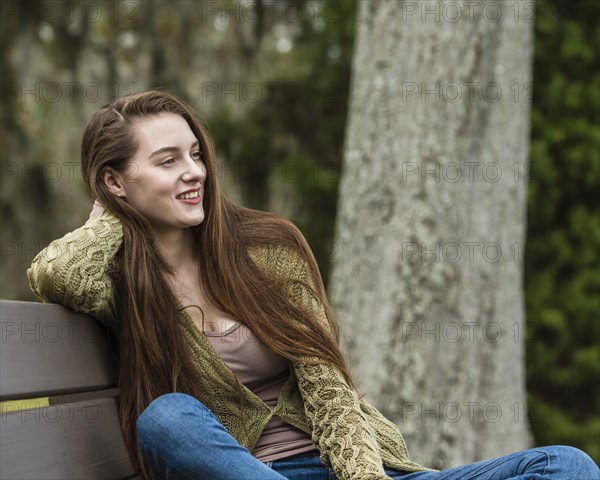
[574, 461]
[157, 419]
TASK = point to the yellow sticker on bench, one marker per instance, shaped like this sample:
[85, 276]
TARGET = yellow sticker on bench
[10, 406]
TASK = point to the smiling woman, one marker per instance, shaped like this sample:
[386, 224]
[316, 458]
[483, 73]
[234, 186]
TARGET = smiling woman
[164, 177]
[250, 383]
[162, 237]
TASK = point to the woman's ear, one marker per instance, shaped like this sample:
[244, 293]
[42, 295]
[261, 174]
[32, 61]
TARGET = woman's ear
[113, 181]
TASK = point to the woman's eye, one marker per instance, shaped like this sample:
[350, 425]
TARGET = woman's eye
[197, 155]
[168, 161]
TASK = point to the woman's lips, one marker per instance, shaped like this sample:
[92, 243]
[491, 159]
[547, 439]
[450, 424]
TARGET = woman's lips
[191, 201]
[193, 197]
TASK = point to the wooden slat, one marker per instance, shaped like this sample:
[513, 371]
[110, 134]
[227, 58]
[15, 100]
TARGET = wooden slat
[47, 349]
[10, 406]
[83, 396]
[70, 441]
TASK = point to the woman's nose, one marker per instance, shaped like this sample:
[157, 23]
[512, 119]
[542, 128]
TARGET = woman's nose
[195, 170]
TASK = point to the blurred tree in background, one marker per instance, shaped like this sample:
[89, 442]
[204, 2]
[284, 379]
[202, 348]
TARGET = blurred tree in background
[280, 149]
[562, 276]
[397, 288]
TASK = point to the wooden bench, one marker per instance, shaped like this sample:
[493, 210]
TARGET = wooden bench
[58, 396]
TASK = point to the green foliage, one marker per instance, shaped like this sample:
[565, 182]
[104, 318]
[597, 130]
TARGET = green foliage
[302, 139]
[562, 278]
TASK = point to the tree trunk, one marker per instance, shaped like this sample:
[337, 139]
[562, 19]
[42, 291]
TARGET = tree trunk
[427, 271]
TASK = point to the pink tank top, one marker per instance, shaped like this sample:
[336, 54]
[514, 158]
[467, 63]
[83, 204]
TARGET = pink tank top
[264, 372]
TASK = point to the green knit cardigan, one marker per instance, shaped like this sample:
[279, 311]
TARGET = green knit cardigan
[354, 439]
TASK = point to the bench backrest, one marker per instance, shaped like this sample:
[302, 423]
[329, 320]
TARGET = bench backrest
[59, 395]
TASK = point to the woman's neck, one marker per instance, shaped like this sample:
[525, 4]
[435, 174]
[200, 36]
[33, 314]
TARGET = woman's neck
[177, 248]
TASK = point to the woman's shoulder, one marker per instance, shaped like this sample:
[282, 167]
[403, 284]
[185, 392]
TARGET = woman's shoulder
[281, 261]
[276, 245]
[273, 256]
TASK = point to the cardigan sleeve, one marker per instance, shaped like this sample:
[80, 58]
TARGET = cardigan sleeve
[74, 270]
[339, 428]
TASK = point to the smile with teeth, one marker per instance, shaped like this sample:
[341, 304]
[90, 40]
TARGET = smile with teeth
[189, 195]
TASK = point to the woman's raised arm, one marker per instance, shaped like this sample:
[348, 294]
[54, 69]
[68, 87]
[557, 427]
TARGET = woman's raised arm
[78, 270]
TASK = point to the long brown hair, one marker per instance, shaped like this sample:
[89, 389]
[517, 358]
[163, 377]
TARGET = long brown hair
[152, 347]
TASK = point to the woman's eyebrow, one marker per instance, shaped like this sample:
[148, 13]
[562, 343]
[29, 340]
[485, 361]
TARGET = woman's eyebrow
[163, 150]
[171, 149]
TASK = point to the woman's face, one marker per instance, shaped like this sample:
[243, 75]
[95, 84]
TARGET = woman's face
[165, 178]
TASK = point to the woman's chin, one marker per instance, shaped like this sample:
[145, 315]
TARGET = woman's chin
[194, 222]
[179, 223]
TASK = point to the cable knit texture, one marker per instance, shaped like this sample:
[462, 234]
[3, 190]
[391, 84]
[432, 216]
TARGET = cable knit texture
[354, 439]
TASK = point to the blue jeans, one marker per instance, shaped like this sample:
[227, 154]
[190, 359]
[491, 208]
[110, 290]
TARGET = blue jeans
[181, 439]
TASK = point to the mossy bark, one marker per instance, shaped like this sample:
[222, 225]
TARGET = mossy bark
[427, 269]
